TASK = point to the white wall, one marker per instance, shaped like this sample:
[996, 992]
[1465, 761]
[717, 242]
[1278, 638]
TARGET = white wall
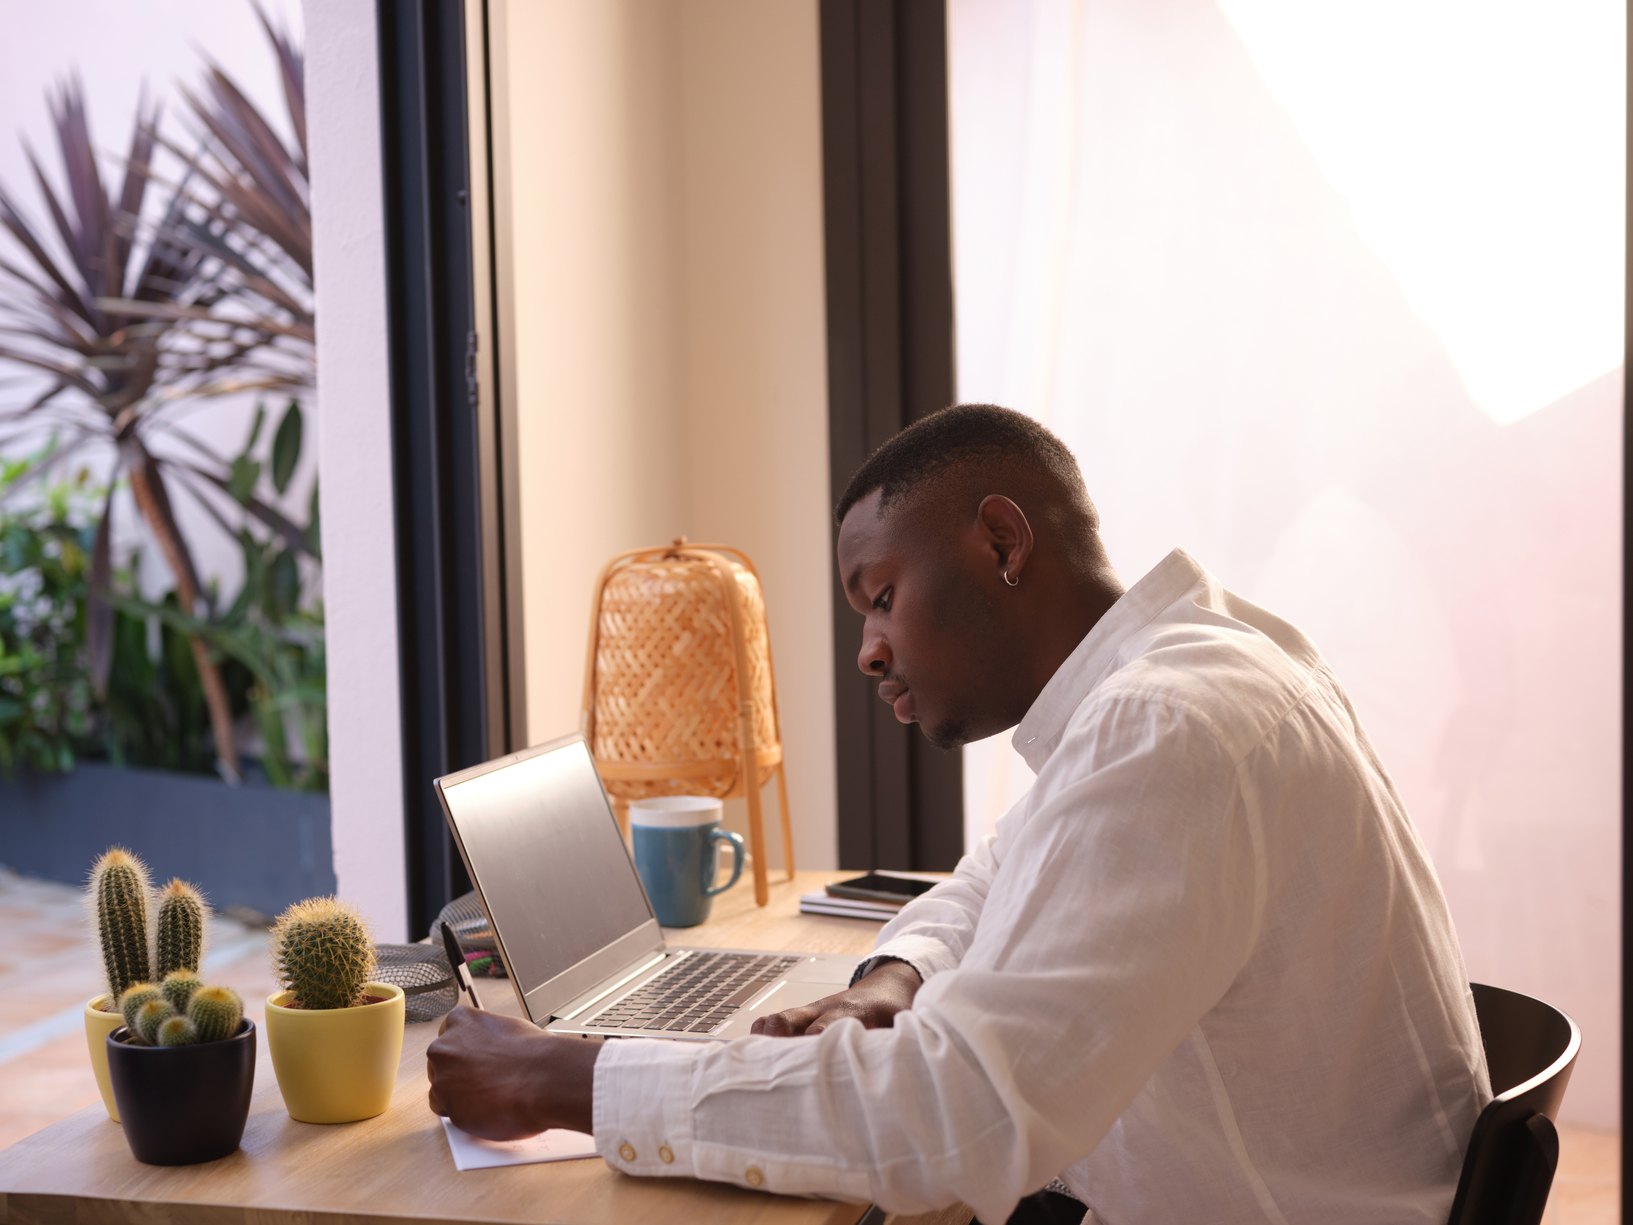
[666, 290]
[354, 405]
[1268, 325]
[754, 342]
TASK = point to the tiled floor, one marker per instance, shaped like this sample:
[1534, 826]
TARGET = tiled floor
[49, 968]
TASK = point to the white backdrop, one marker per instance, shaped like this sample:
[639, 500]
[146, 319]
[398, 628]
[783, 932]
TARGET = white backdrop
[1331, 297]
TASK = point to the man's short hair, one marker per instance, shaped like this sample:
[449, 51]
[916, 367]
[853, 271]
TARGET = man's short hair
[934, 450]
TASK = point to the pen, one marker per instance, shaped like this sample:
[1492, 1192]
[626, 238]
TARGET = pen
[456, 959]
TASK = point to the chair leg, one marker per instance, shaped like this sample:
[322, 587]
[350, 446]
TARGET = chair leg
[756, 831]
[787, 824]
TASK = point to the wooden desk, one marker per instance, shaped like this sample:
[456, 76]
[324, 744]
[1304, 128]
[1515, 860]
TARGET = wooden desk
[396, 1168]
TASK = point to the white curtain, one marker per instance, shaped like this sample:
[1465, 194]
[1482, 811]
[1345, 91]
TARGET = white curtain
[1331, 296]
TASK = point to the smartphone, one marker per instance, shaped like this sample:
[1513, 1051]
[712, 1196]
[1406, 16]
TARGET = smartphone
[879, 887]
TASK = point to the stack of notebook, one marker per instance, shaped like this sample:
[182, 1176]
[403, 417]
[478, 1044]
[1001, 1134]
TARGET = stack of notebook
[849, 907]
[877, 896]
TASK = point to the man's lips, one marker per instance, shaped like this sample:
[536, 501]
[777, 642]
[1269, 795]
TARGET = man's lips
[900, 699]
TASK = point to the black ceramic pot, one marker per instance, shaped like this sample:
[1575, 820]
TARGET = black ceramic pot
[183, 1104]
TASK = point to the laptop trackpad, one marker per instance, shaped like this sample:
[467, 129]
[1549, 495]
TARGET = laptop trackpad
[789, 994]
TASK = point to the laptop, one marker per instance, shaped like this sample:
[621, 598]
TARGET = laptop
[575, 929]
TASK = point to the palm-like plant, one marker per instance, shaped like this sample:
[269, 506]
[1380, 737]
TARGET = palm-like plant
[247, 227]
[249, 220]
[111, 370]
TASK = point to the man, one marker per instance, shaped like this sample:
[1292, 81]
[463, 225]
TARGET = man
[1202, 971]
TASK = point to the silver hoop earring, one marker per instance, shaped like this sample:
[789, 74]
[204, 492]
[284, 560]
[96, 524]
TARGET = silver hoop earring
[1013, 582]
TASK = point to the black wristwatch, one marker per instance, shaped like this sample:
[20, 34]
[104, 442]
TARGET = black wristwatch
[870, 964]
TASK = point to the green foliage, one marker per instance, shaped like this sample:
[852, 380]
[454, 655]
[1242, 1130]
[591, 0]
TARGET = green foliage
[46, 700]
[267, 643]
[149, 1017]
[136, 997]
[179, 987]
[322, 952]
[176, 1031]
[216, 1013]
[119, 892]
[179, 941]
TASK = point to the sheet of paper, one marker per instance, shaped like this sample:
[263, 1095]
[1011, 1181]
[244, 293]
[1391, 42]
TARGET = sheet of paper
[472, 1153]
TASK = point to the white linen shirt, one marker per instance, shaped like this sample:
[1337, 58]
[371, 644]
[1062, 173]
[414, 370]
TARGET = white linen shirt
[1203, 971]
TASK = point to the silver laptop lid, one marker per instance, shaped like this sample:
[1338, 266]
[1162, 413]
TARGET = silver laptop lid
[542, 846]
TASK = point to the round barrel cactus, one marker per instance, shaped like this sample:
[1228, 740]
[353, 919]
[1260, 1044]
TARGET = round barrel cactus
[321, 951]
[215, 1013]
[135, 996]
[176, 1031]
[150, 1016]
[178, 988]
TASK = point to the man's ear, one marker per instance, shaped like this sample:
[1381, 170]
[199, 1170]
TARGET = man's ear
[1007, 534]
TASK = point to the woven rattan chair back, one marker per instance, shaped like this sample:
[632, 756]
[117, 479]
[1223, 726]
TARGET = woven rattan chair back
[679, 693]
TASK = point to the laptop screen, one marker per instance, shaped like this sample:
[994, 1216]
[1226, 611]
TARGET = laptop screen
[541, 841]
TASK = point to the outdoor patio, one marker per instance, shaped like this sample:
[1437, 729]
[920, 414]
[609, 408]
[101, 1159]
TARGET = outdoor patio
[48, 970]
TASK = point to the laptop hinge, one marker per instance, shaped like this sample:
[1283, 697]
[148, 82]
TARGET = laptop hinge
[617, 983]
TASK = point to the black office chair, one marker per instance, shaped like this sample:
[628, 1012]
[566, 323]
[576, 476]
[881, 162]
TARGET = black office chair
[1514, 1149]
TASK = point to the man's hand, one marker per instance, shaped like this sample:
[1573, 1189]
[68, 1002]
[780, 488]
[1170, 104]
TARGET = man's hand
[874, 1000]
[500, 1078]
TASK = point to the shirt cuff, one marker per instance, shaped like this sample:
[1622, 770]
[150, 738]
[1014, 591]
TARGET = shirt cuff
[925, 954]
[642, 1111]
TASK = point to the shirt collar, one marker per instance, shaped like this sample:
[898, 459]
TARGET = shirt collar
[1093, 659]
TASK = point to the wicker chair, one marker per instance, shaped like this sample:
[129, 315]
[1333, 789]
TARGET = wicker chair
[679, 695]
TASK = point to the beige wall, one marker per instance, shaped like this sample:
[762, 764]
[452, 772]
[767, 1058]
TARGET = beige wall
[664, 287]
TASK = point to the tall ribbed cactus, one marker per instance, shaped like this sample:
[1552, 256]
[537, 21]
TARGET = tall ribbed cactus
[179, 944]
[216, 1013]
[119, 891]
[322, 952]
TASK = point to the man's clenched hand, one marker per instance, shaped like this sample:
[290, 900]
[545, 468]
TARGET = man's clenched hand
[874, 1000]
[500, 1078]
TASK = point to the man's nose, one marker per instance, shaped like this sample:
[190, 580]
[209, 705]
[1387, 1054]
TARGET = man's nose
[874, 658]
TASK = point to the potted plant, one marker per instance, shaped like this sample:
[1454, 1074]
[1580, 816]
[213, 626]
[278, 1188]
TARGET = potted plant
[183, 1070]
[174, 1059]
[335, 1035]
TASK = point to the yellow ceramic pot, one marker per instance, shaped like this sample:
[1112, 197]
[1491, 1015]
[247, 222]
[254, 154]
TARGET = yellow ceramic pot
[335, 1065]
[98, 1025]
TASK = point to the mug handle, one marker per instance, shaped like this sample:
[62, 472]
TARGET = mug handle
[716, 837]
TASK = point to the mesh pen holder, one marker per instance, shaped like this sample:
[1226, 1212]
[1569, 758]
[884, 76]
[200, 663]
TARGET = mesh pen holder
[473, 934]
[422, 971]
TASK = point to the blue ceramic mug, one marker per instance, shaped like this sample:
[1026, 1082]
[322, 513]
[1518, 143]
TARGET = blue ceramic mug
[676, 840]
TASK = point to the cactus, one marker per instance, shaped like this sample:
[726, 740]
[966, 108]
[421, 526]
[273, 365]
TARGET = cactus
[216, 1013]
[322, 952]
[150, 1016]
[180, 941]
[135, 996]
[178, 988]
[119, 891]
[176, 1031]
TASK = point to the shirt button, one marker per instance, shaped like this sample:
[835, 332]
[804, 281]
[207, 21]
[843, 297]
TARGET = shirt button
[666, 1154]
[753, 1176]
[627, 1151]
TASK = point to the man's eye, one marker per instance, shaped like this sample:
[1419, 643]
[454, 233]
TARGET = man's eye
[882, 600]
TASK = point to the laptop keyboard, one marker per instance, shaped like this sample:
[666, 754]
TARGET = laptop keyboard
[700, 992]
